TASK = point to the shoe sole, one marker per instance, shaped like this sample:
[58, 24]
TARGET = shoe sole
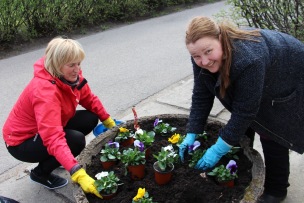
[53, 188]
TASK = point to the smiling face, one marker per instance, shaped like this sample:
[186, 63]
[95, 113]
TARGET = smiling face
[70, 71]
[207, 53]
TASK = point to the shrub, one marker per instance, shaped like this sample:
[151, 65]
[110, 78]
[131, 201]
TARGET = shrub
[286, 16]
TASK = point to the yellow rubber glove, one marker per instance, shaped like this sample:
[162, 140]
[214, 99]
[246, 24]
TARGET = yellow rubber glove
[109, 123]
[85, 182]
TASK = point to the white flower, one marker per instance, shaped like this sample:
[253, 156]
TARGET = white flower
[169, 148]
[139, 131]
[172, 154]
[101, 175]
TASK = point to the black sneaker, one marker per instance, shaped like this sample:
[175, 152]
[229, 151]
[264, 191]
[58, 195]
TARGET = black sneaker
[51, 182]
[266, 198]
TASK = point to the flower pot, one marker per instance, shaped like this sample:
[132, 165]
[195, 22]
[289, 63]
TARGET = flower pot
[108, 196]
[106, 165]
[162, 177]
[137, 172]
[127, 142]
[228, 183]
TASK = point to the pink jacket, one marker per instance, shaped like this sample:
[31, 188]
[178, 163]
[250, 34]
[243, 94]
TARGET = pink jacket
[45, 106]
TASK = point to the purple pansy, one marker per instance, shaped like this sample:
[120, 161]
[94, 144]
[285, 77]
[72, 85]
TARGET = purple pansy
[195, 145]
[139, 145]
[113, 144]
[157, 121]
[232, 166]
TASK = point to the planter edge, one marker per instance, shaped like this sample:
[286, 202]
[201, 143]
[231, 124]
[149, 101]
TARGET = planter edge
[256, 186]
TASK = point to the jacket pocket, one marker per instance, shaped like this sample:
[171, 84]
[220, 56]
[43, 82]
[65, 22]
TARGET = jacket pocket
[291, 104]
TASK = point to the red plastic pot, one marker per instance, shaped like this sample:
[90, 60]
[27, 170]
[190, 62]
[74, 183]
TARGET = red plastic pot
[137, 172]
[108, 164]
[162, 177]
[127, 142]
[108, 196]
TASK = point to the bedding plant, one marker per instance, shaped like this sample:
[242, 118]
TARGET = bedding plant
[226, 174]
[107, 182]
[162, 128]
[110, 152]
[166, 157]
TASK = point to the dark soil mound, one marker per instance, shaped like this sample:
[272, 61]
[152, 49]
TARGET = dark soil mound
[187, 185]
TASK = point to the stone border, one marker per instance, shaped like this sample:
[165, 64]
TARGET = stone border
[252, 192]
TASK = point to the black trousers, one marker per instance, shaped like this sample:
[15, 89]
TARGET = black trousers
[33, 150]
[277, 165]
[276, 159]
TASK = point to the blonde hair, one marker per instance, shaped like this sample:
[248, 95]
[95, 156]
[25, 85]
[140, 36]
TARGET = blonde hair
[61, 51]
[226, 32]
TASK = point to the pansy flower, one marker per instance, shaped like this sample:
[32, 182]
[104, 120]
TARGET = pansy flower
[140, 194]
[139, 132]
[171, 151]
[174, 138]
[156, 122]
[169, 148]
[232, 166]
[101, 175]
[195, 145]
[139, 145]
[113, 144]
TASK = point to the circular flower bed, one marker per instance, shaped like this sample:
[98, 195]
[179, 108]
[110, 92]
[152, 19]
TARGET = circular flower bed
[187, 184]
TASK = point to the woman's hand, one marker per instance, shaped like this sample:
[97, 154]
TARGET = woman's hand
[189, 140]
[109, 123]
[86, 182]
[213, 154]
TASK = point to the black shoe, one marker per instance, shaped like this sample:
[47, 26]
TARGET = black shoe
[7, 200]
[51, 182]
[266, 198]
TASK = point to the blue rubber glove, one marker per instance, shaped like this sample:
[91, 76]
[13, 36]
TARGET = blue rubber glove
[213, 154]
[189, 140]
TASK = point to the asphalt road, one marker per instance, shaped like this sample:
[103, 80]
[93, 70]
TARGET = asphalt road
[123, 66]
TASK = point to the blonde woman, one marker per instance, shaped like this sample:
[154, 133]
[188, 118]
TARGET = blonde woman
[44, 126]
[258, 75]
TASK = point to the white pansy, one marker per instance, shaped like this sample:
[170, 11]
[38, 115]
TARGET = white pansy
[139, 131]
[168, 148]
[101, 175]
[172, 154]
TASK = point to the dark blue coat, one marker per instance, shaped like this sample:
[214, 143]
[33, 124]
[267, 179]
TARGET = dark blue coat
[266, 91]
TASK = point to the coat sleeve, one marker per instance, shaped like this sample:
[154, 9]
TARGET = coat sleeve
[202, 102]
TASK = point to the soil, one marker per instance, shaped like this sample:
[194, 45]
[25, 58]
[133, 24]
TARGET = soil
[186, 185]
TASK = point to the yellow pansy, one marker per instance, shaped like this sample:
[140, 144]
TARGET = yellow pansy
[123, 130]
[174, 138]
[140, 194]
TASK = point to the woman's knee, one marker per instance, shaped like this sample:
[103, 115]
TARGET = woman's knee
[75, 140]
[83, 121]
